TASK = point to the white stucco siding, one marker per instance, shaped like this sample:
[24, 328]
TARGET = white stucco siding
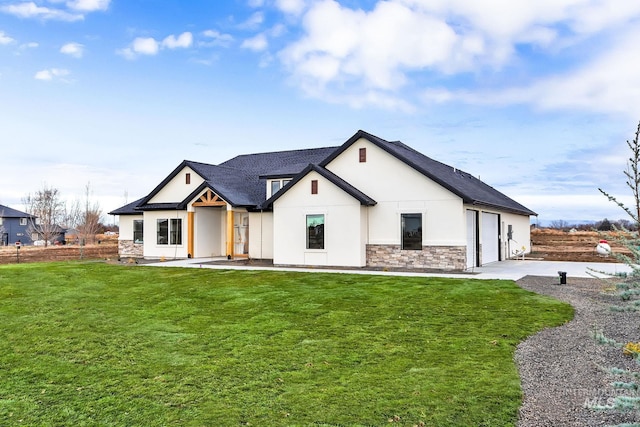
[521, 236]
[151, 247]
[125, 226]
[398, 188]
[177, 189]
[343, 229]
[261, 235]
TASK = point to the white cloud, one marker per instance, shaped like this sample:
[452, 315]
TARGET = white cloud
[184, 40]
[216, 38]
[25, 46]
[5, 39]
[145, 46]
[150, 46]
[293, 7]
[89, 5]
[253, 22]
[73, 49]
[257, 43]
[51, 73]
[381, 49]
[32, 10]
[609, 83]
[75, 9]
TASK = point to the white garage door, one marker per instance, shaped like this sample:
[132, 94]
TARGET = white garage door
[490, 242]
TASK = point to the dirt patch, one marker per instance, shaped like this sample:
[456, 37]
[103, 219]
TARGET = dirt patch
[12, 255]
[580, 246]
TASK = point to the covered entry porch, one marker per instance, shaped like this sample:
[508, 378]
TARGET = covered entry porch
[215, 228]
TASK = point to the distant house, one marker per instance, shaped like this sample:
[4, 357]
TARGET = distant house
[369, 202]
[14, 226]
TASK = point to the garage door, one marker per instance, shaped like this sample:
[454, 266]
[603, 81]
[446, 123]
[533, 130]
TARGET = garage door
[490, 237]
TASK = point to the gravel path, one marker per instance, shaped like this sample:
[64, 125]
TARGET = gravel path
[559, 367]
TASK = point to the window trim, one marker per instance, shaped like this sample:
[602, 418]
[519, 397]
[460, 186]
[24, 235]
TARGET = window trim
[187, 178]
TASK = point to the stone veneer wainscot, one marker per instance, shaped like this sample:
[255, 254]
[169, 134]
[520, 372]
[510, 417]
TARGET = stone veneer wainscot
[432, 257]
[128, 249]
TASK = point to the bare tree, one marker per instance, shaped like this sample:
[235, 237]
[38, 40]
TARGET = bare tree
[47, 212]
[84, 216]
[559, 224]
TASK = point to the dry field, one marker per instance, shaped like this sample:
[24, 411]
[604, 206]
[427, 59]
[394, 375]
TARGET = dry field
[107, 249]
[557, 245]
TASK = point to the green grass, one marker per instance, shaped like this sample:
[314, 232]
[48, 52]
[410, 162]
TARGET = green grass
[88, 344]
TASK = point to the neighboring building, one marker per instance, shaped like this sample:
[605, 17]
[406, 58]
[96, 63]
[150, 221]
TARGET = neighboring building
[14, 226]
[369, 202]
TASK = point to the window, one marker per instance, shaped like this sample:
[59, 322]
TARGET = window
[187, 178]
[314, 186]
[0, 220]
[137, 231]
[163, 231]
[23, 221]
[315, 231]
[176, 231]
[275, 186]
[170, 231]
[411, 231]
[363, 155]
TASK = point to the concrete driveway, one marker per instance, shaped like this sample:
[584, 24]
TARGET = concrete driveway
[509, 270]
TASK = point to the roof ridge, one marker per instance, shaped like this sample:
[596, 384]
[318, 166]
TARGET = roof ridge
[298, 150]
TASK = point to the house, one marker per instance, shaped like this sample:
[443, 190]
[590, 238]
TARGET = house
[14, 226]
[369, 202]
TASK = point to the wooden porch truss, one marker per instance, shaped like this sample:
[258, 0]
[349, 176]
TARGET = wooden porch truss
[210, 199]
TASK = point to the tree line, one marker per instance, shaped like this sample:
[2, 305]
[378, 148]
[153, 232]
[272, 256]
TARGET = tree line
[50, 215]
[602, 225]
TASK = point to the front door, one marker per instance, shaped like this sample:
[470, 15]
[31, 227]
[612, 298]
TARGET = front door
[241, 234]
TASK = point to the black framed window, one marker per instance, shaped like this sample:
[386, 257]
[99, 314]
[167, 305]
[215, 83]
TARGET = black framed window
[176, 231]
[138, 225]
[412, 231]
[163, 232]
[315, 231]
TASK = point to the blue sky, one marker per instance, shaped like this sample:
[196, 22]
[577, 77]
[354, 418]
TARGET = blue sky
[535, 98]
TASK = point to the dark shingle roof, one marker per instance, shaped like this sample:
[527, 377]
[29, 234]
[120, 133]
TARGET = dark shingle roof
[128, 209]
[463, 184]
[7, 212]
[280, 163]
[331, 177]
[241, 181]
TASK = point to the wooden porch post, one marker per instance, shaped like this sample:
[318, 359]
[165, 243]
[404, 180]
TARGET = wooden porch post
[190, 233]
[229, 233]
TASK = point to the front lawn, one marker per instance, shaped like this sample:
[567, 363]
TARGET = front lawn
[87, 344]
